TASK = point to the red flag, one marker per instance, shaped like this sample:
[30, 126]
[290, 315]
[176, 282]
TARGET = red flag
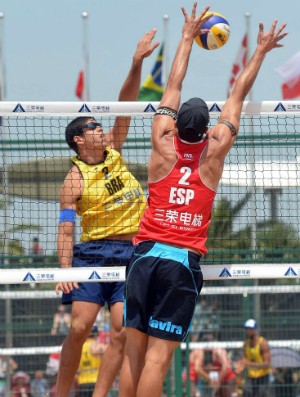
[290, 71]
[291, 89]
[239, 64]
[80, 85]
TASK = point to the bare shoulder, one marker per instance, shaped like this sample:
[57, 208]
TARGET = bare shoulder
[264, 344]
[72, 187]
[163, 128]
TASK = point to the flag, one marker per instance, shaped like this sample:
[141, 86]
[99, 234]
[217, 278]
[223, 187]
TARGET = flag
[239, 65]
[152, 88]
[80, 85]
[290, 71]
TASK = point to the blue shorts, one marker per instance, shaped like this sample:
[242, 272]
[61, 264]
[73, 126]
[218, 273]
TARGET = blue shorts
[162, 287]
[98, 254]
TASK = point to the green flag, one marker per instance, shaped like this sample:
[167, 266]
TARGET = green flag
[152, 88]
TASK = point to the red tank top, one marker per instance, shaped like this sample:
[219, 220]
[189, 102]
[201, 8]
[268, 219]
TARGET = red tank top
[179, 205]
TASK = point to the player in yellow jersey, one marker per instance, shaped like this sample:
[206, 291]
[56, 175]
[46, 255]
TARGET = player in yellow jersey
[257, 361]
[92, 351]
[110, 202]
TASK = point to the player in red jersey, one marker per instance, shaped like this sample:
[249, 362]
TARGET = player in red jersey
[164, 278]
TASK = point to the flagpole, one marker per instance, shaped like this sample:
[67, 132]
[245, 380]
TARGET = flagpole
[248, 16]
[8, 304]
[1, 58]
[165, 62]
[252, 205]
[86, 76]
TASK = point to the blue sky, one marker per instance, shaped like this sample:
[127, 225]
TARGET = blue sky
[43, 45]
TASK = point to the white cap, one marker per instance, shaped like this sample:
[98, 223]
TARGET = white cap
[251, 324]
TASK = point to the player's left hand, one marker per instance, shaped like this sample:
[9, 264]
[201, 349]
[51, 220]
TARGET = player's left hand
[145, 47]
[269, 40]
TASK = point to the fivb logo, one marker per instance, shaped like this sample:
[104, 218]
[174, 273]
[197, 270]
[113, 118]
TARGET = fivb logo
[29, 277]
[215, 108]
[84, 109]
[280, 108]
[94, 276]
[19, 109]
[149, 108]
[225, 273]
[290, 272]
[188, 156]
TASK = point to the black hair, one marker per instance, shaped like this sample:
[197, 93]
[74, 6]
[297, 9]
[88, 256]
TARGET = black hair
[75, 128]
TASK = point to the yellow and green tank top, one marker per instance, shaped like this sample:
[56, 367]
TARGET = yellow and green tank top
[254, 354]
[89, 365]
[112, 201]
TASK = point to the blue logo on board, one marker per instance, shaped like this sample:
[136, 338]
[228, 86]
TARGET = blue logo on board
[19, 108]
[29, 277]
[84, 109]
[215, 108]
[290, 272]
[225, 273]
[280, 108]
[94, 276]
[149, 108]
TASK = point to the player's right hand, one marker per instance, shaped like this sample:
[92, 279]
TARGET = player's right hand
[145, 46]
[66, 288]
[192, 23]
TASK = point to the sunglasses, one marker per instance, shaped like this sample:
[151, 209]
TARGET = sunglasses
[92, 125]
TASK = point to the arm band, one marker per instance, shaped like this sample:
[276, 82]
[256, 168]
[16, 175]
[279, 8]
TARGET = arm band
[165, 111]
[230, 126]
[67, 215]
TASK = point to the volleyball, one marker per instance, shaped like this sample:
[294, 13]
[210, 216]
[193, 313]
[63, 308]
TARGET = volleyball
[218, 34]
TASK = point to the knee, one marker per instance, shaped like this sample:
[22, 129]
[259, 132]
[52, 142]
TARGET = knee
[118, 339]
[79, 331]
[160, 360]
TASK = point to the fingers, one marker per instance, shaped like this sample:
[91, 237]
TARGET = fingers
[155, 45]
[184, 12]
[66, 288]
[204, 19]
[194, 9]
[152, 33]
[283, 26]
[261, 27]
[273, 27]
[280, 37]
[204, 12]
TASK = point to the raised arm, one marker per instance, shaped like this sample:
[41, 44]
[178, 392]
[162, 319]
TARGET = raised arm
[222, 136]
[130, 88]
[232, 109]
[171, 97]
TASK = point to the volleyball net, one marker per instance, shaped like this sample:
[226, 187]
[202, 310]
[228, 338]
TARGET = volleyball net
[253, 239]
[256, 212]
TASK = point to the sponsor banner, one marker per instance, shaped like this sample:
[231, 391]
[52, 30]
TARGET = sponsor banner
[250, 271]
[89, 274]
[111, 274]
[127, 108]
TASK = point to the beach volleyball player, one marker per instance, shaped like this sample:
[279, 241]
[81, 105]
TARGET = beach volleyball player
[110, 202]
[185, 167]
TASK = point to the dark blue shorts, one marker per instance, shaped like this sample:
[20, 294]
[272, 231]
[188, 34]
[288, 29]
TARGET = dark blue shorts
[162, 287]
[98, 254]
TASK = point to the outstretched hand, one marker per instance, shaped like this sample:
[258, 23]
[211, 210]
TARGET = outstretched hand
[145, 47]
[269, 40]
[193, 24]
